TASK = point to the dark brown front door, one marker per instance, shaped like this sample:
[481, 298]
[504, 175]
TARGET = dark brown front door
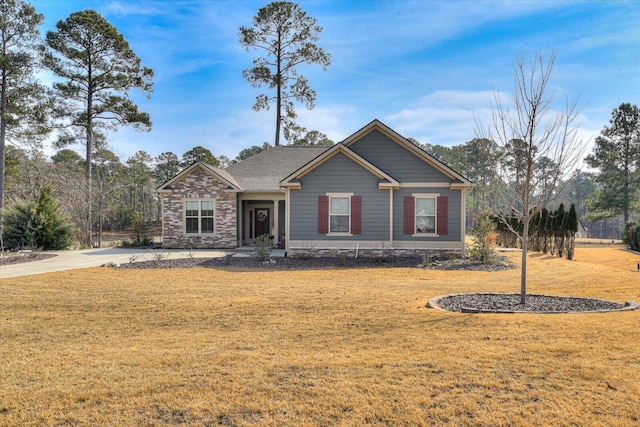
[262, 222]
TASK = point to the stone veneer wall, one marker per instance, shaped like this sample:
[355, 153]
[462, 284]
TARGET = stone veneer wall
[199, 185]
[369, 253]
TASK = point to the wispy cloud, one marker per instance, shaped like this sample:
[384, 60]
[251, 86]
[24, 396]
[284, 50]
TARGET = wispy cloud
[426, 68]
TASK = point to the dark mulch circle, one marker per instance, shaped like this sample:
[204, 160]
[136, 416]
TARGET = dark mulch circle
[510, 303]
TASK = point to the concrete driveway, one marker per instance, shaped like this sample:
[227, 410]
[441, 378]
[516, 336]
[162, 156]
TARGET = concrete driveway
[68, 260]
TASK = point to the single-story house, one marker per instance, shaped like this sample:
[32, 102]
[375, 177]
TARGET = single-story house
[375, 192]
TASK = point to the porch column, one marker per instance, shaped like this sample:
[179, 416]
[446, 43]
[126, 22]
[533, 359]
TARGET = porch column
[276, 222]
[240, 216]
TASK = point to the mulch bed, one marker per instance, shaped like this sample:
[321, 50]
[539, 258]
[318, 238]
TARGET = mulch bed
[319, 263]
[14, 258]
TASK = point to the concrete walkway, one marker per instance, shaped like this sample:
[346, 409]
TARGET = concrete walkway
[69, 260]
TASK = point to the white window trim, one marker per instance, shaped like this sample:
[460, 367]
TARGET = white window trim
[341, 233]
[184, 216]
[417, 196]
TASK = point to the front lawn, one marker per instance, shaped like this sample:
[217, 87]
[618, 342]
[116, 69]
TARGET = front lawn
[346, 347]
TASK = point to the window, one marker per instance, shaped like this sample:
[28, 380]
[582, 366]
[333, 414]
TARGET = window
[425, 215]
[339, 214]
[199, 217]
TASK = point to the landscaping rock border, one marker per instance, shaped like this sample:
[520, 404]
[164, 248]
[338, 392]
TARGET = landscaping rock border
[536, 303]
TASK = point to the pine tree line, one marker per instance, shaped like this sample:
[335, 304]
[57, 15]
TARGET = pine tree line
[551, 232]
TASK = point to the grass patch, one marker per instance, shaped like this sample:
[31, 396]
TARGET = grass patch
[344, 347]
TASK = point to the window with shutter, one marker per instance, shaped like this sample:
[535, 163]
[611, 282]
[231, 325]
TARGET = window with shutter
[425, 214]
[339, 214]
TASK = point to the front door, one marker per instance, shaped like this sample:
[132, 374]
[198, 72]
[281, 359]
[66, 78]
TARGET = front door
[262, 223]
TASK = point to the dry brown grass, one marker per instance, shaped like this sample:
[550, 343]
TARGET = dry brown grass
[327, 347]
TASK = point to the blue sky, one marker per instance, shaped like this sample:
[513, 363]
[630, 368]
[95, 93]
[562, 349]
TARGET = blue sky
[424, 68]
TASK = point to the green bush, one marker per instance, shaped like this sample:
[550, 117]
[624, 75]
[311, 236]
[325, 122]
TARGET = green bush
[37, 225]
[570, 228]
[263, 246]
[140, 235]
[484, 238]
[631, 235]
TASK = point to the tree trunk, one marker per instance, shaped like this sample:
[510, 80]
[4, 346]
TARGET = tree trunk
[88, 157]
[3, 135]
[278, 90]
[100, 211]
[523, 270]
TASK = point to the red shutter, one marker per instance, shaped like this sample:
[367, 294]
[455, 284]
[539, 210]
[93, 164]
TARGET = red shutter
[356, 214]
[409, 215]
[323, 214]
[443, 215]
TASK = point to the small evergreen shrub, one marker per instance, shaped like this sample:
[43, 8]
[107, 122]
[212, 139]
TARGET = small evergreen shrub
[37, 225]
[484, 238]
[570, 230]
[559, 218]
[263, 247]
[631, 235]
[140, 235]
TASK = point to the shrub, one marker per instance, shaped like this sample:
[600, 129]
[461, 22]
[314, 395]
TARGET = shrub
[559, 218]
[545, 230]
[140, 235]
[570, 229]
[484, 238]
[263, 246]
[631, 235]
[41, 224]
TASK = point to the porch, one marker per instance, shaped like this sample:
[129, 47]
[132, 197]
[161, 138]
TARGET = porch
[260, 214]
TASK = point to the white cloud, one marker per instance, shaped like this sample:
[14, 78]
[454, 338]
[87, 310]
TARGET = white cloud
[131, 8]
[334, 121]
[443, 117]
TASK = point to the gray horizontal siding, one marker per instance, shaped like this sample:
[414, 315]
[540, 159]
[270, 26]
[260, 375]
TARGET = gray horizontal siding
[396, 160]
[454, 211]
[339, 174]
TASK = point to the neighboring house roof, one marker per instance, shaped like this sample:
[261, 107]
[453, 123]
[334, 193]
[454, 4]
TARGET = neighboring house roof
[419, 152]
[263, 172]
[220, 174]
[386, 181]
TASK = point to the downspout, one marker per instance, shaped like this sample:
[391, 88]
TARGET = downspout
[287, 219]
[463, 222]
[162, 219]
[391, 218]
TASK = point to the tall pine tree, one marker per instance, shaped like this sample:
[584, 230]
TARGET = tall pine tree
[287, 36]
[616, 154]
[21, 101]
[99, 69]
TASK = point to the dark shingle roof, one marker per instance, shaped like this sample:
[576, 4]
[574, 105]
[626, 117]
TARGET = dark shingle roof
[264, 171]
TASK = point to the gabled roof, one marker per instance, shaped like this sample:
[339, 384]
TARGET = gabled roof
[220, 174]
[263, 172]
[292, 180]
[282, 166]
[417, 151]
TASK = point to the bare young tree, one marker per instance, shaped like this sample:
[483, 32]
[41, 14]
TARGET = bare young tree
[545, 131]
